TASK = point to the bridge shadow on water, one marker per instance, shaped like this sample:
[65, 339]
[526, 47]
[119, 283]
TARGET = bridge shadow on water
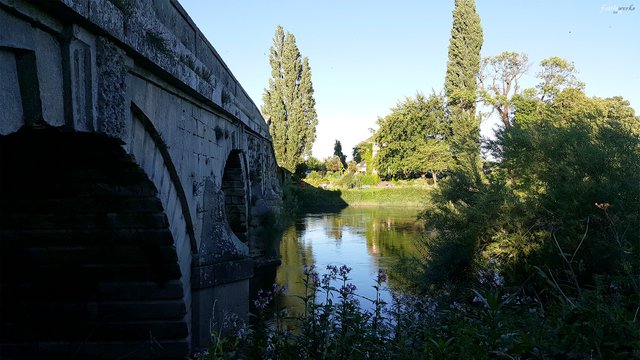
[311, 199]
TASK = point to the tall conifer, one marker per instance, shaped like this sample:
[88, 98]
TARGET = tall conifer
[289, 106]
[464, 56]
[460, 87]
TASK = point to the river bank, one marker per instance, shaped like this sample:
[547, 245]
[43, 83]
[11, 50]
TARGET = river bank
[313, 199]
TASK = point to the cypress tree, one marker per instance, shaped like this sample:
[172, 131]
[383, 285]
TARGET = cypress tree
[460, 87]
[464, 56]
[289, 106]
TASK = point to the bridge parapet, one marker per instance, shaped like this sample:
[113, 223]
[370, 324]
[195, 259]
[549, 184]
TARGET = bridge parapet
[163, 33]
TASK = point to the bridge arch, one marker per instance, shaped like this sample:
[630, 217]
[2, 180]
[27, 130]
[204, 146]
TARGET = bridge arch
[235, 188]
[88, 259]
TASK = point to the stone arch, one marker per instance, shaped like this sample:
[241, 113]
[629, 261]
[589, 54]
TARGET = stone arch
[150, 152]
[235, 188]
[89, 267]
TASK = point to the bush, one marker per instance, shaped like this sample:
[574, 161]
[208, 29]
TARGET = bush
[369, 179]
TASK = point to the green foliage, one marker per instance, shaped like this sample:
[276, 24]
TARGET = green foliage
[337, 151]
[460, 88]
[352, 167]
[314, 164]
[465, 145]
[333, 163]
[289, 106]
[412, 138]
[464, 57]
[558, 160]
[363, 150]
[556, 75]
[499, 77]
[398, 196]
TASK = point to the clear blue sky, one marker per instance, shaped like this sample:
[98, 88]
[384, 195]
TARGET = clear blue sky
[366, 55]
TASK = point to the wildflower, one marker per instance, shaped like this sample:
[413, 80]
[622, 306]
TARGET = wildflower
[326, 280]
[277, 289]
[309, 269]
[314, 277]
[498, 279]
[344, 270]
[348, 289]
[331, 275]
[382, 277]
[332, 269]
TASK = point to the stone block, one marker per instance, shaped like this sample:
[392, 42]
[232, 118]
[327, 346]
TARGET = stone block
[15, 33]
[11, 104]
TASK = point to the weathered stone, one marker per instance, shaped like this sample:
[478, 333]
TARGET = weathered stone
[112, 87]
[148, 191]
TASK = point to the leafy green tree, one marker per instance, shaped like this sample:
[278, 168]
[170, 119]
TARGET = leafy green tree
[337, 151]
[499, 79]
[556, 74]
[360, 150]
[464, 56]
[433, 155]
[364, 152]
[333, 163]
[289, 106]
[412, 137]
[352, 167]
[314, 164]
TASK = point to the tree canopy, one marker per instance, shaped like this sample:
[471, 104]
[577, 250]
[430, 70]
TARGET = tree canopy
[412, 138]
[499, 79]
[289, 105]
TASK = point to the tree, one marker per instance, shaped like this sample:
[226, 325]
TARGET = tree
[352, 167]
[337, 151]
[360, 150]
[314, 164]
[333, 163]
[558, 160]
[289, 106]
[460, 86]
[499, 78]
[464, 56]
[413, 128]
[556, 74]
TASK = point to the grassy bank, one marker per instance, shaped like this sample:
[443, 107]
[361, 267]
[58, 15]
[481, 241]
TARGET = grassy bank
[391, 196]
[312, 199]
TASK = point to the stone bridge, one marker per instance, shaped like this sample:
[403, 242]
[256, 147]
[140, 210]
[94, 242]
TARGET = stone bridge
[136, 177]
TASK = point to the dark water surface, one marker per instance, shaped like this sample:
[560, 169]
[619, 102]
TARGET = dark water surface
[365, 239]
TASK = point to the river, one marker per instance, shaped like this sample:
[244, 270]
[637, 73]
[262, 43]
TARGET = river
[365, 239]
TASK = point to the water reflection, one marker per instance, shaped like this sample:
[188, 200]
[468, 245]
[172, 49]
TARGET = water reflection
[365, 239]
